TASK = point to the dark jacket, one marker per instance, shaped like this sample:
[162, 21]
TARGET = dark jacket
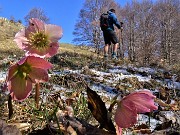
[113, 20]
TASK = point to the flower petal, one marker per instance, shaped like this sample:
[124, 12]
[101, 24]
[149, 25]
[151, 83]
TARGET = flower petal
[22, 60]
[38, 62]
[143, 101]
[125, 115]
[12, 71]
[20, 88]
[147, 92]
[38, 75]
[39, 39]
[36, 25]
[54, 32]
[49, 51]
[128, 107]
[52, 50]
[32, 51]
[21, 40]
[118, 130]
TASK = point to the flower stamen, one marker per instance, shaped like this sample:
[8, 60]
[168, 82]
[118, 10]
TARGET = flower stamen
[39, 40]
[24, 70]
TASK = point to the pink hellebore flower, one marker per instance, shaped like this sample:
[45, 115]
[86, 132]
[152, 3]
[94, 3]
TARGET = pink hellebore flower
[131, 105]
[28, 70]
[39, 38]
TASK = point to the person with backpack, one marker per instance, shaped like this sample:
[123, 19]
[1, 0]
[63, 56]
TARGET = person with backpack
[107, 22]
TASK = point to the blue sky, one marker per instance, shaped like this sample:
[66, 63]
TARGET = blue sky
[61, 12]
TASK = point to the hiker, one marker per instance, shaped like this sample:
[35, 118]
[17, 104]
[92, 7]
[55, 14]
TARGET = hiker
[109, 34]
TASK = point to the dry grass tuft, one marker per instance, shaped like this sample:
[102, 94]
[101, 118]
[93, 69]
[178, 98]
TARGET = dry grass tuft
[8, 30]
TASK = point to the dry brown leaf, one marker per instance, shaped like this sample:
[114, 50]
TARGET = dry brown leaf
[21, 126]
[169, 106]
[143, 129]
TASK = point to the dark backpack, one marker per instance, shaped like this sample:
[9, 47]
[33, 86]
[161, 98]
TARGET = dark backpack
[104, 24]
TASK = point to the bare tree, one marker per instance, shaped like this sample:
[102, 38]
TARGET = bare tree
[129, 13]
[168, 15]
[36, 13]
[151, 31]
[87, 30]
[148, 33]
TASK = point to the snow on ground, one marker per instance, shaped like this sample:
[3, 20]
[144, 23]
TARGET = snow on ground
[2, 76]
[113, 75]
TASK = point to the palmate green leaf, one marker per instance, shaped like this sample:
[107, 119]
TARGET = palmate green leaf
[99, 111]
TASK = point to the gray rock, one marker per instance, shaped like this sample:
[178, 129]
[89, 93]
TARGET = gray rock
[6, 129]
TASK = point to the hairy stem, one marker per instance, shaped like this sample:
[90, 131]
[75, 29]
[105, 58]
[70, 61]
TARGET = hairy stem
[10, 106]
[37, 93]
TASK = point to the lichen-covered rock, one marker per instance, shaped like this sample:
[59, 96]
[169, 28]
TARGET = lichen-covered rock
[6, 129]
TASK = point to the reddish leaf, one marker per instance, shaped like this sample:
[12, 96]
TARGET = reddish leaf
[99, 111]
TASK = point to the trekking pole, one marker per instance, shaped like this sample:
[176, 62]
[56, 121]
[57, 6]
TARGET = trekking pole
[121, 41]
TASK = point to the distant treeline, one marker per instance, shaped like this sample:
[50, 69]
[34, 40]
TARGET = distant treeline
[151, 30]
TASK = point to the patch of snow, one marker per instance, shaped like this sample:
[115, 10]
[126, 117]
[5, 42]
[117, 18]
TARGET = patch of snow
[177, 85]
[172, 85]
[101, 87]
[99, 73]
[123, 71]
[2, 76]
[144, 119]
[147, 70]
[170, 115]
[143, 79]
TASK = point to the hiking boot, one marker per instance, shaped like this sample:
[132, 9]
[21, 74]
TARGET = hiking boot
[105, 57]
[114, 57]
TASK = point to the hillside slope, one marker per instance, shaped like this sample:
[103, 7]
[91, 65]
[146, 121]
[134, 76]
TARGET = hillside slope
[8, 29]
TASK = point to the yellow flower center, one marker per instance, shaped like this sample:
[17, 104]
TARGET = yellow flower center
[24, 70]
[39, 40]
